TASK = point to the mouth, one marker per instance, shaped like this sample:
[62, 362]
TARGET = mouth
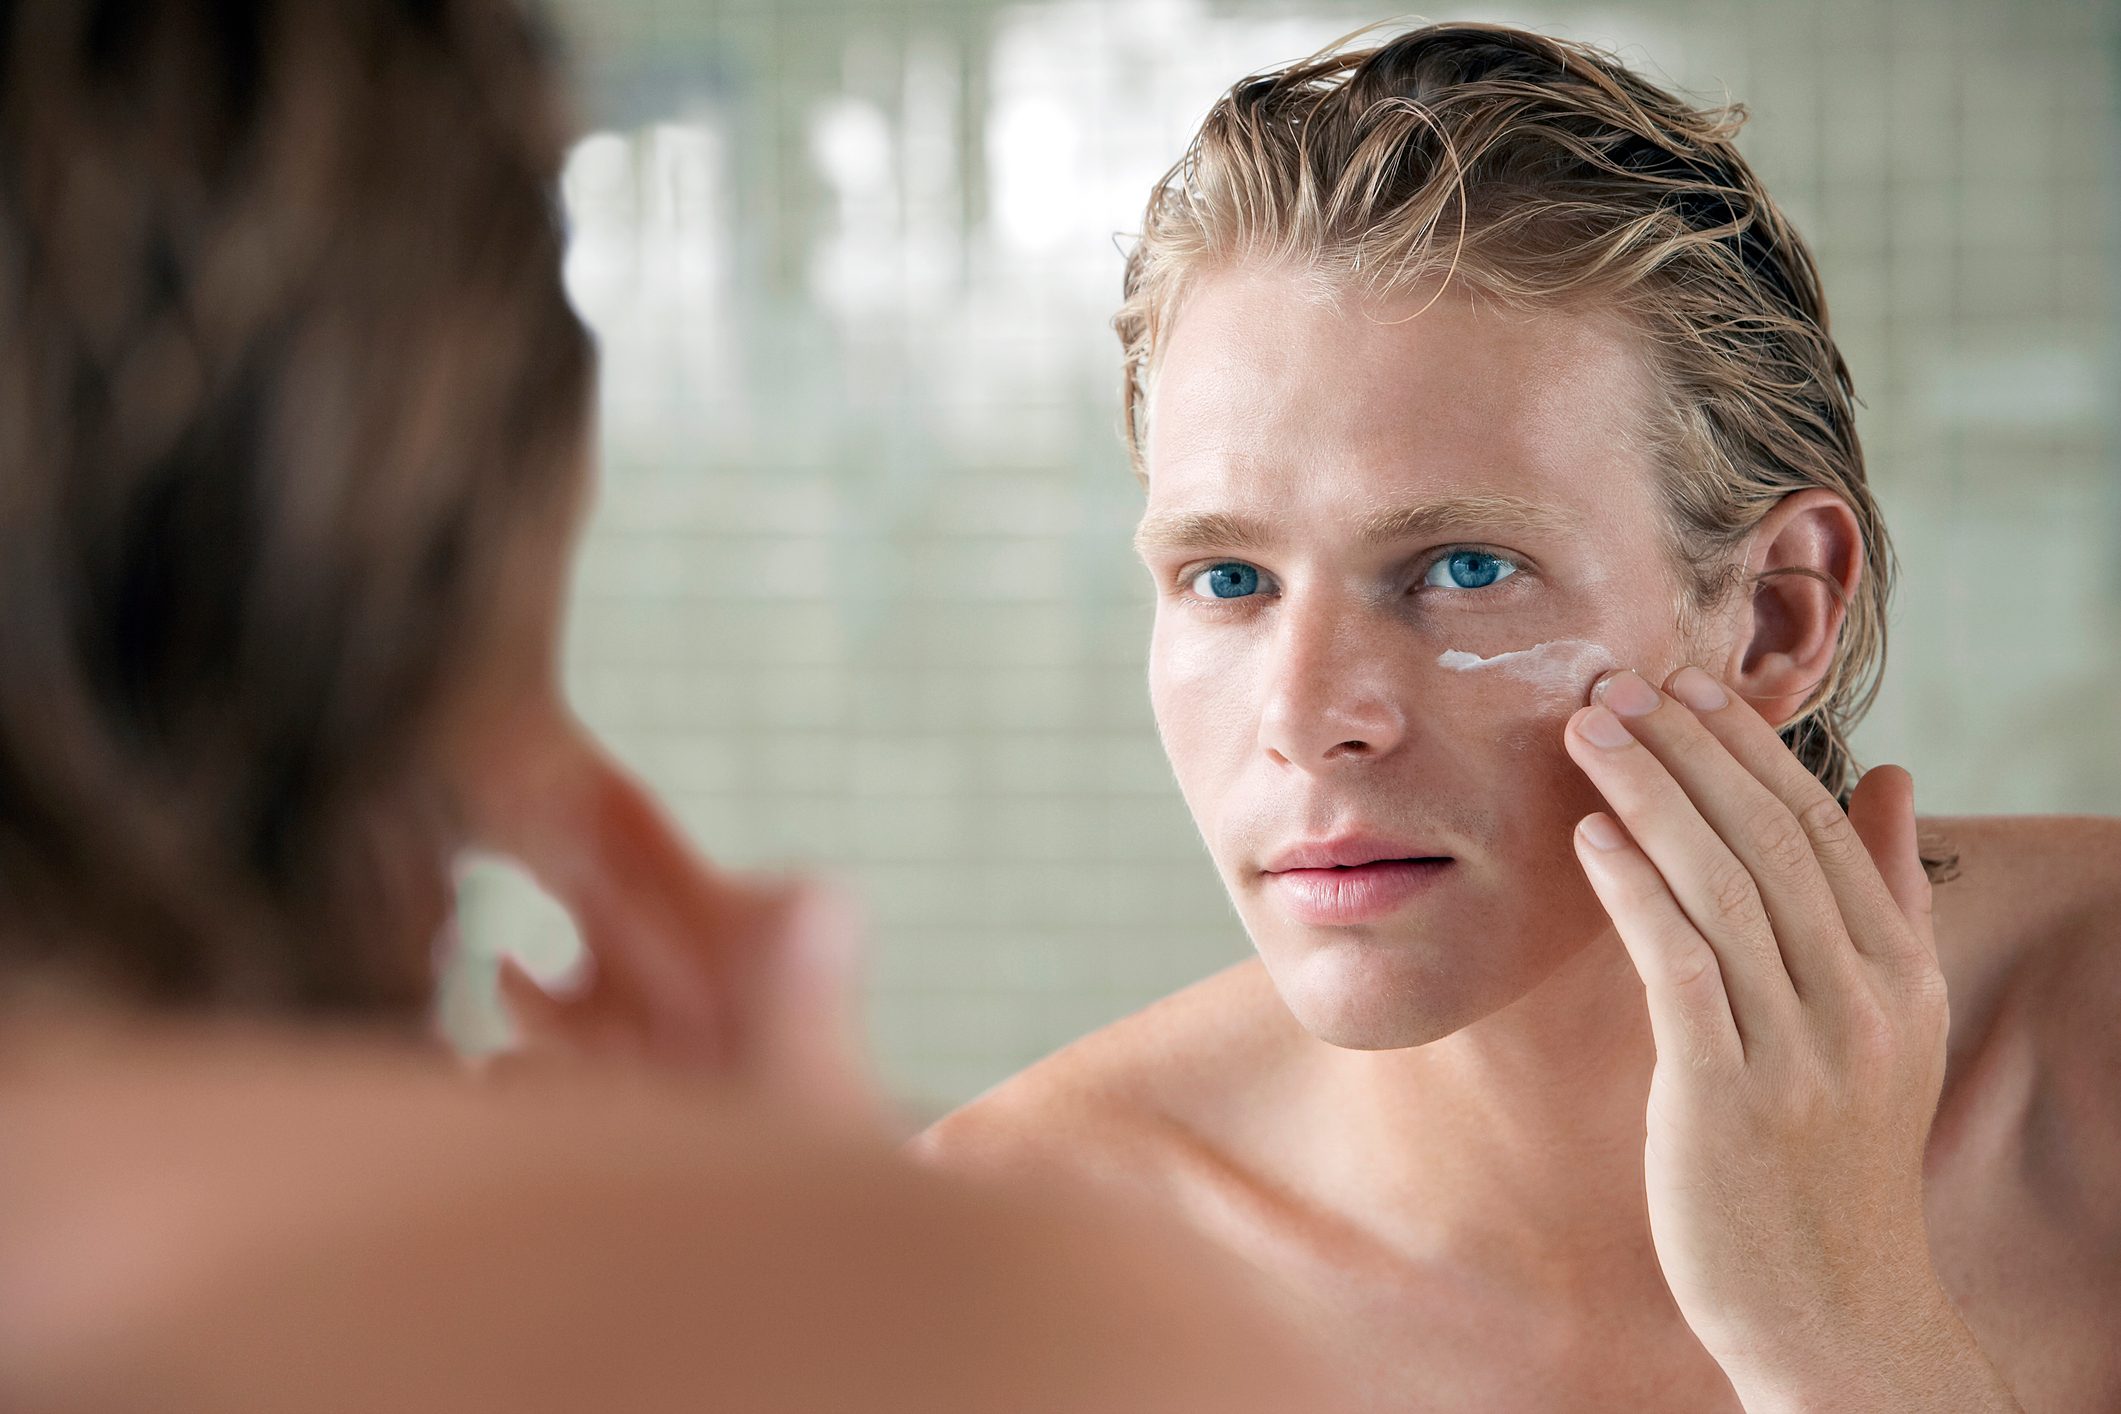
[1349, 880]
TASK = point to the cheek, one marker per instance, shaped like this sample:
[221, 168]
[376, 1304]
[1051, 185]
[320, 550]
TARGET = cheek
[1558, 672]
[1504, 745]
[1181, 661]
[1514, 705]
[1499, 735]
[1197, 688]
[1202, 677]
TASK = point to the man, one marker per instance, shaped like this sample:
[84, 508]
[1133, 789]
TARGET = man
[1594, 1056]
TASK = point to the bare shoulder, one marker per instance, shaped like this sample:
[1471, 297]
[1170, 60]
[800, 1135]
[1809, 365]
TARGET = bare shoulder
[2049, 887]
[1119, 1105]
[2031, 926]
[2030, 880]
[2031, 903]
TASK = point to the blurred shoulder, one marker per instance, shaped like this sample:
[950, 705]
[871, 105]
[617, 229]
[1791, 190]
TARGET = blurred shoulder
[162, 1179]
[1121, 1103]
[2029, 934]
[216, 1226]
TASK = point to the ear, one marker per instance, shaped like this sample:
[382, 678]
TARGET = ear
[1802, 565]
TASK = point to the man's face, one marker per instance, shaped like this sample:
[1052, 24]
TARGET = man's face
[1392, 554]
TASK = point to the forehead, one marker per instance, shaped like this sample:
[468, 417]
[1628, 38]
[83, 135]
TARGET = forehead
[1271, 392]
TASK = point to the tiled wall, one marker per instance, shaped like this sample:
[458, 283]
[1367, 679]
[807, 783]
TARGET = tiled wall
[858, 589]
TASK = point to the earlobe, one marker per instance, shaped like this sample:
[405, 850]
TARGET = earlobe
[1803, 565]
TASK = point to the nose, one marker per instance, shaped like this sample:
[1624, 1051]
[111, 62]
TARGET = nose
[1328, 698]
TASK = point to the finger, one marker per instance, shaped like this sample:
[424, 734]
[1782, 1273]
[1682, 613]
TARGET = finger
[1757, 827]
[1882, 812]
[531, 1009]
[807, 1038]
[1706, 880]
[660, 920]
[647, 909]
[1874, 921]
[692, 963]
[640, 948]
[570, 1025]
[587, 1021]
[573, 1014]
[671, 937]
[1690, 1011]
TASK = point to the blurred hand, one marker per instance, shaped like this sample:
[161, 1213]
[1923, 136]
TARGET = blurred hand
[687, 967]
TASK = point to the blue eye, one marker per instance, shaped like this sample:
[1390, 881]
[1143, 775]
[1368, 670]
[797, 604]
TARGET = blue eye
[1468, 569]
[1226, 581]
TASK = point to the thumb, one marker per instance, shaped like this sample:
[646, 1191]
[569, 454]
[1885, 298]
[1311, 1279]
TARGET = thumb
[1882, 809]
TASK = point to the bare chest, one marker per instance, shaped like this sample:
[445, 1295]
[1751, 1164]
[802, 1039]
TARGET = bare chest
[1401, 1346]
[2034, 1281]
[1394, 1338]
[1400, 1335]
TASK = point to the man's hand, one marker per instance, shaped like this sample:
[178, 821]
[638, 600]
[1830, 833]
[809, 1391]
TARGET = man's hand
[1800, 1021]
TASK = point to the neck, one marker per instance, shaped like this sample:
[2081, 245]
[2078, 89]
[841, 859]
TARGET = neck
[1516, 1142]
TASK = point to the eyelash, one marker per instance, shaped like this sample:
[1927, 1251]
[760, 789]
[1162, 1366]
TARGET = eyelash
[1193, 571]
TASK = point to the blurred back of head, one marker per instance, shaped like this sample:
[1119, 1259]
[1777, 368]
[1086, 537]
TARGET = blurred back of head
[292, 409]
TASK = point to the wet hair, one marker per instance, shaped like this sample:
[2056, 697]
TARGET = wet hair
[288, 380]
[1544, 174]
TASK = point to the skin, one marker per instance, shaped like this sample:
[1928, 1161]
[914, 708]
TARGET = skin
[1741, 1114]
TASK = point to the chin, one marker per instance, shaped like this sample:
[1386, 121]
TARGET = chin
[1380, 994]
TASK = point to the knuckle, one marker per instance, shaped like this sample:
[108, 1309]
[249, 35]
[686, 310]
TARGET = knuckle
[1873, 1039]
[1928, 999]
[1793, 1103]
[1733, 898]
[1641, 890]
[1783, 844]
[1690, 746]
[1690, 966]
[1826, 826]
[1696, 986]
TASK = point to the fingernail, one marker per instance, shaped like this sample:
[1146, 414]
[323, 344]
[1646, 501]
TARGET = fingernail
[1698, 690]
[1602, 832]
[1629, 695]
[1602, 728]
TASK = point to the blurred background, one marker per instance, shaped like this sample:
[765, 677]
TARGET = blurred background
[858, 590]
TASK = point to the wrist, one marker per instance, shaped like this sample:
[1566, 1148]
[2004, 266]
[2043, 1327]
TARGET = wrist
[1920, 1359]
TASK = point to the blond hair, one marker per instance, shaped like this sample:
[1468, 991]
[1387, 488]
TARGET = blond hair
[1541, 172]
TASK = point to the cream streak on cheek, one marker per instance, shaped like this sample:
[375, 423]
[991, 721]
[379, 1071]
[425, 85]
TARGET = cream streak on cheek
[1564, 665]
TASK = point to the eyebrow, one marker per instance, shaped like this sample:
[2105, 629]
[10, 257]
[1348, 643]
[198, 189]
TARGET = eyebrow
[1171, 531]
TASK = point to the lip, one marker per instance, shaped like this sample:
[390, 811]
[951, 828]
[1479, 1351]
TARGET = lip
[1353, 878]
[1348, 852]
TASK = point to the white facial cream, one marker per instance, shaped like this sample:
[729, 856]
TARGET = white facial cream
[1563, 665]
